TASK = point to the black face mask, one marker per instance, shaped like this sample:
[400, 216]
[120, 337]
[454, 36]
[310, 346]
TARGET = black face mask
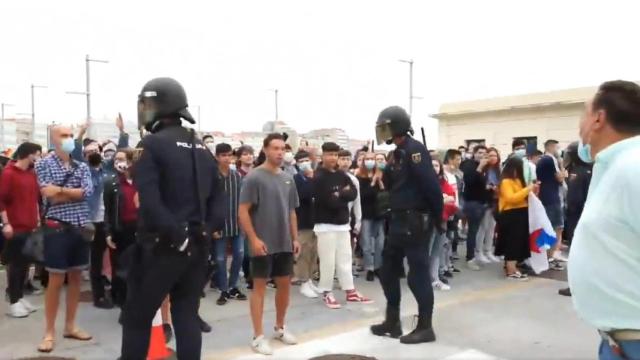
[95, 159]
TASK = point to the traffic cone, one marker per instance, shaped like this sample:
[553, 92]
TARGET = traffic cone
[157, 348]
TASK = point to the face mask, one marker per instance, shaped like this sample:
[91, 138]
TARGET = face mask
[288, 157]
[468, 156]
[68, 145]
[95, 159]
[232, 167]
[304, 166]
[382, 166]
[121, 166]
[108, 155]
[211, 146]
[520, 153]
[369, 164]
[584, 152]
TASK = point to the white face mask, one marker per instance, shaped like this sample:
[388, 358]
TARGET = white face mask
[211, 146]
[288, 157]
[121, 166]
[232, 167]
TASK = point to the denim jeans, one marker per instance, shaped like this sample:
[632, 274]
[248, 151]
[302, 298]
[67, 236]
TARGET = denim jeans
[435, 255]
[220, 253]
[631, 350]
[372, 242]
[474, 211]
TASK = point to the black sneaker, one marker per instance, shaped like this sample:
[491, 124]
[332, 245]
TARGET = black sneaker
[448, 274]
[443, 280]
[223, 299]
[204, 326]
[103, 303]
[371, 276]
[271, 284]
[237, 295]
[565, 292]
[455, 270]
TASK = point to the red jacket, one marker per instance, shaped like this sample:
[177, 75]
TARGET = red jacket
[19, 196]
[449, 209]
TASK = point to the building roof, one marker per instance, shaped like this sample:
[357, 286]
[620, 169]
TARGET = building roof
[542, 99]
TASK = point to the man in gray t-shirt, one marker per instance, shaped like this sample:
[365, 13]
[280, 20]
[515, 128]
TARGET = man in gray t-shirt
[267, 214]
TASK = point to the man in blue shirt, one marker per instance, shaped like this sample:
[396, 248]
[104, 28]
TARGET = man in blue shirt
[605, 255]
[551, 177]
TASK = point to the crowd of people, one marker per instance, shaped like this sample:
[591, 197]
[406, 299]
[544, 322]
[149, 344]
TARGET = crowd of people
[319, 214]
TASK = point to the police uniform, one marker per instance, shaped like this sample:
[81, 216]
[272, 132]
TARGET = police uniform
[416, 212]
[176, 220]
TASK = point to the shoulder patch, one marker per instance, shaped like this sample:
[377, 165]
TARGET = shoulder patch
[416, 158]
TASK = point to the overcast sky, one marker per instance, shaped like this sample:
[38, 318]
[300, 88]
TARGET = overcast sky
[334, 62]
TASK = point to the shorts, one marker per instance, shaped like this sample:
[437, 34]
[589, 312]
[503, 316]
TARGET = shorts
[272, 265]
[555, 215]
[65, 250]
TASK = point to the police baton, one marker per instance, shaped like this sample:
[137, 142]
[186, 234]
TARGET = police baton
[424, 138]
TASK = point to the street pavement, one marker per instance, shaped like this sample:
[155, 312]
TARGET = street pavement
[484, 316]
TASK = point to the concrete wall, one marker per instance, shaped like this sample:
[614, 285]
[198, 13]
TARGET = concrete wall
[498, 128]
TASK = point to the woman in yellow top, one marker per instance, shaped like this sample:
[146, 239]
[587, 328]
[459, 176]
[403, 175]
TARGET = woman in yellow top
[513, 219]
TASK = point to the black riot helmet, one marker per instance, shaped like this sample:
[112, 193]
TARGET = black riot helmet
[392, 121]
[161, 98]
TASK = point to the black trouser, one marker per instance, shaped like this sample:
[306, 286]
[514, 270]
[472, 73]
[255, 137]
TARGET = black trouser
[123, 239]
[418, 277]
[98, 246]
[18, 266]
[155, 274]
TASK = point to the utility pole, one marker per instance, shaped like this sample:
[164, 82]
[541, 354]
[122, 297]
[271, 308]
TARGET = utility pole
[273, 128]
[33, 110]
[411, 97]
[87, 92]
[2, 144]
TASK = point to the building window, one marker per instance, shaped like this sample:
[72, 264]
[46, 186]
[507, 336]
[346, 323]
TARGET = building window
[531, 141]
[474, 142]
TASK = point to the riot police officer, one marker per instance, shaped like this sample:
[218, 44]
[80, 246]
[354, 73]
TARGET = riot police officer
[176, 178]
[416, 212]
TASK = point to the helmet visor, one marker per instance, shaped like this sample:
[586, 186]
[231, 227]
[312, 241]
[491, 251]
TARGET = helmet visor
[383, 133]
[147, 110]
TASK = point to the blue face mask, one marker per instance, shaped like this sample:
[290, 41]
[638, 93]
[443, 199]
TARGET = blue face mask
[381, 166]
[232, 167]
[304, 166]
[520, 153]
[584, 152]
[68, 145]
[369, 164]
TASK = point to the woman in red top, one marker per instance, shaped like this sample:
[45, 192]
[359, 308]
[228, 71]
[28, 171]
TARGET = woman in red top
[121, 217]
[440, 240]
[19, 198]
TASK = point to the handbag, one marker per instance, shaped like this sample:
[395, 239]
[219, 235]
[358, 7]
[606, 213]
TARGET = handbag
[34, 244]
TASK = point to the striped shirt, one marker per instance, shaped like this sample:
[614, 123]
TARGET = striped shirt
[51, 171]
[231, 185]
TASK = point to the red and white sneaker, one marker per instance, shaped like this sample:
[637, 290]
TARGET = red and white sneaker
[331, 301]
[354, 296]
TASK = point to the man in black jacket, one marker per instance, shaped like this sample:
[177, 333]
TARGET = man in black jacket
[307, 261]
[177, 182]
[475, 198]
[332, 192]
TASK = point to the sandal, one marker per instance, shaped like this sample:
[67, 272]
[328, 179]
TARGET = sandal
[46, 346]
[78, 335]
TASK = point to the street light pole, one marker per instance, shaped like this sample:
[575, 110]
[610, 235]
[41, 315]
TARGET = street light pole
[33, 110]
[2, 144]
[273, 128]
[411, 97]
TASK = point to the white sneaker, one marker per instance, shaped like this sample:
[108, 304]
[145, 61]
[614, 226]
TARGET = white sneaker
[284, 336]
[557, 255]
[439, 285]
[314, 287]
[261, 345]
[27, 305]
[473, 265]
[17, 310]
[307, 290]
[493, 258]
[481, 259]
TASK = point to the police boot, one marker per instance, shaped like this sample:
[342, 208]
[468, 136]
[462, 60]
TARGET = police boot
[423, 332]
[391, 325]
